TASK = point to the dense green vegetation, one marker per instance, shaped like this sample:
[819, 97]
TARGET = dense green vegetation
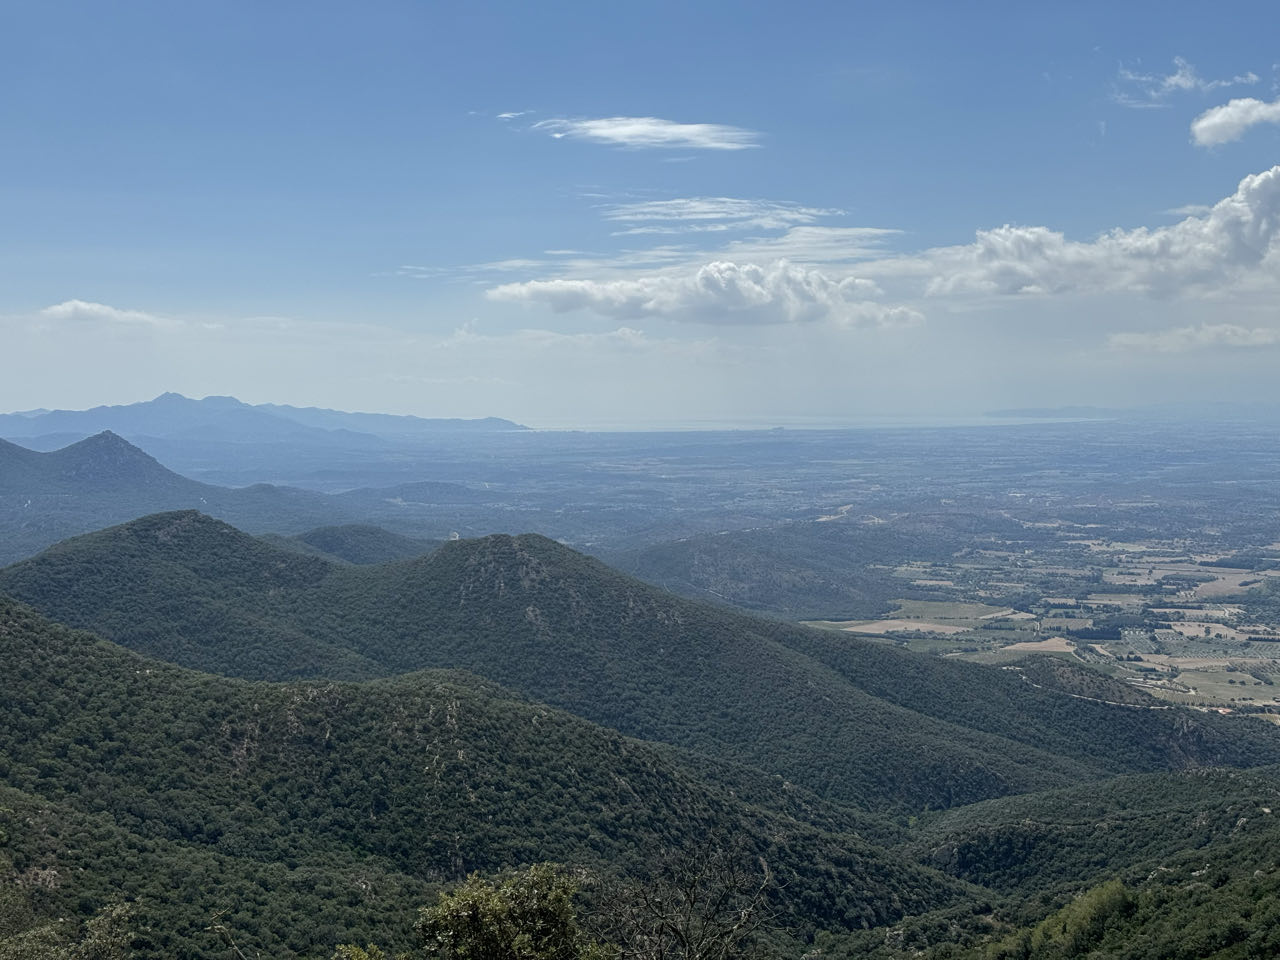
[362, 543]
[852, 720]
[1050, 841]
[1156, 866]
[292, 804]
[380, 731]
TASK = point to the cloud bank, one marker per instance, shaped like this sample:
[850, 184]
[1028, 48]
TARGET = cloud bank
[721, 292]
[1198, 254]
[1204, 336]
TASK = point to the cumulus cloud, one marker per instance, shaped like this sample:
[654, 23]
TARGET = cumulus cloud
[1197, 254]
[721, 292]
[651, 132]
[1152, 89]
[82, 311]
[711, 214]
[1230, 121]
[1204, 336]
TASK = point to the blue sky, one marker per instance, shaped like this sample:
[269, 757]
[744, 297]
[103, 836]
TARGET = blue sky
[580, 213]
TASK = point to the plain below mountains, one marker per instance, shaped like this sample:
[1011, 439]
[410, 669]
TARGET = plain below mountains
[853, 721]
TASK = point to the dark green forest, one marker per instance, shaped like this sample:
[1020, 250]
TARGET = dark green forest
[213, 745]
[854, 721]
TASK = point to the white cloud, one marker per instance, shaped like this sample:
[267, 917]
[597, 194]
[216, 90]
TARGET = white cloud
[814, 244]
[651, 132]
[82, 311]
[513, 114]
[786, 231]
[1230, 121]
[1204, 336]
[1152, 90]
[1198, 254]
[1189, 210]
[711, 214]
[559, 261]
[721, 292]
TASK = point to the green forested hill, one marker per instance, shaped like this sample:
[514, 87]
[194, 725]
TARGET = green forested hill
[1171, 865]
[362, 543]
[189, 792]
[1128, 827]
[189, 590]
[327, 807]
[854, 721]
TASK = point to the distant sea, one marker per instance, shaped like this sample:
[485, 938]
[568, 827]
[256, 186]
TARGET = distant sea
[789, 423]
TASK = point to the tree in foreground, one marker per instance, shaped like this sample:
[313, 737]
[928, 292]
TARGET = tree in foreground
[527, 916]
[711, 905]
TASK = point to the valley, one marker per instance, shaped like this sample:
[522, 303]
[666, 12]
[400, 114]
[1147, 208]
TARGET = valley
[953, 690]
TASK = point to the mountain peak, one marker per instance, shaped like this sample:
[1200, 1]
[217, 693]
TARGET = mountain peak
[221, 402]
[108, 457]
[107, 440]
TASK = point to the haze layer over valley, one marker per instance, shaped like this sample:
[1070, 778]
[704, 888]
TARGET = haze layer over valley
[403, 692]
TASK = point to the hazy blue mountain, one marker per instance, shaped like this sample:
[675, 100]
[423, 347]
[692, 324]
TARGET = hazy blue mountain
[104, 479]
[169, 414]
[388, 425]
[226, 419]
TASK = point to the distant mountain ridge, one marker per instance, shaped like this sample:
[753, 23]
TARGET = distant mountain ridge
[172, 415]
[104, 479]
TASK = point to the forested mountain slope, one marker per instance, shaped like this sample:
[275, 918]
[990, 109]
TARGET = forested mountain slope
[359, 543]
[854, 721]
[344, 792]
[1178, 866]
[1124, 828]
